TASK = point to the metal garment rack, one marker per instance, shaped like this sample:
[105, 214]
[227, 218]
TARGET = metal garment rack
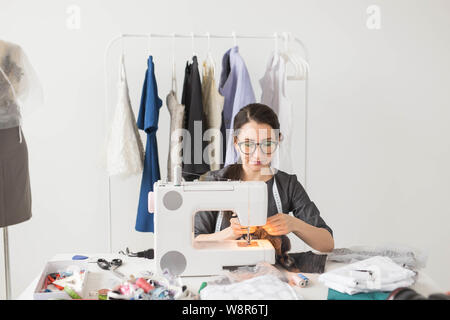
[208, 36]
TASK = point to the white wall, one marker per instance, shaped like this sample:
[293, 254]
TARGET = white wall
[379, 109]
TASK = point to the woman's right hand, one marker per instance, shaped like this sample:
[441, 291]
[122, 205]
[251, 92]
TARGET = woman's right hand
[239, 230]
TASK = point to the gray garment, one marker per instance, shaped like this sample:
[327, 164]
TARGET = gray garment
[15, 193]
[403, 256]
[292, 195]
[236, 87]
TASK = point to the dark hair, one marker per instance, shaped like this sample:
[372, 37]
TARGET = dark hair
[259, 113]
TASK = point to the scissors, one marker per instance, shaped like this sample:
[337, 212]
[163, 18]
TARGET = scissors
[106, 265]
[112, 266]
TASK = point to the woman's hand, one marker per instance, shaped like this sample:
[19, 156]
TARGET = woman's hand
[239, 230]
[279, 224]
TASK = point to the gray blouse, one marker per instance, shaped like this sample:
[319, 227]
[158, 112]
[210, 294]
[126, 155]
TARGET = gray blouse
[292, 195]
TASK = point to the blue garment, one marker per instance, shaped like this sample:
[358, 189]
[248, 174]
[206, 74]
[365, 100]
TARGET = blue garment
[236, 87]
[148, 121]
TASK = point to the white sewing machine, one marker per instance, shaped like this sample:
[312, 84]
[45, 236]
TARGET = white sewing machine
[175, 205]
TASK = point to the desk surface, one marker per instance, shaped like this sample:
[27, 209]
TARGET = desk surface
[98, 278]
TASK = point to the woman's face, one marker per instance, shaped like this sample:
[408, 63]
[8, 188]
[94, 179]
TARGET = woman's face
[256, 143]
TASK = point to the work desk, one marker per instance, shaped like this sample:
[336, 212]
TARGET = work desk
[98, 278]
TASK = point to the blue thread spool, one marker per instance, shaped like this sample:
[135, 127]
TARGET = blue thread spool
[300, 280]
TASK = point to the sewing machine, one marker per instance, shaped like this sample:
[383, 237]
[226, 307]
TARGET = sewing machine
[175, 205]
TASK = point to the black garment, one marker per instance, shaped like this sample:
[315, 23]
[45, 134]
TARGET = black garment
[223, 152]
[309, 262]
[226, 70]
[292, 195]
[194, 163]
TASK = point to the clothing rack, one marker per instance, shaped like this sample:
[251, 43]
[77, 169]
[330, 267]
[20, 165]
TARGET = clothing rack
[275, 37]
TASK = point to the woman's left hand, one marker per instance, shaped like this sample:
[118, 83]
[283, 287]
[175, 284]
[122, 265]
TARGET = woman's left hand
[279, 224]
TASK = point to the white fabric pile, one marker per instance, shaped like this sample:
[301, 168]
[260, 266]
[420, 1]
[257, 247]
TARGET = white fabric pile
[374, 274]
[266, 287]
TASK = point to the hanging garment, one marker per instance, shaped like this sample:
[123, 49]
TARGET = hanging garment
[273, 85]
[148, 121]
[125, 154]
[176, 110]
[194, 164]
[236, 87]
[213, 106]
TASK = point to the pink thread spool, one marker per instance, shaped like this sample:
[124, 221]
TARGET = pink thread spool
[147, 287]
[151, 202]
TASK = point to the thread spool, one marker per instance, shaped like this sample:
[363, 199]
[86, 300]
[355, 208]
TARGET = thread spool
[299, 280]
[144, 285]
[72, 293]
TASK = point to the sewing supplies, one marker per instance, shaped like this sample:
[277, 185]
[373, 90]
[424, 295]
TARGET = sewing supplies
[105, 265]
[69, 281]
[72, 293]
[102, 294]
[79, 257]
[148, 254]
[299, 280]
[111, 266]
[142, 283]
[202, 286]
[151, 287]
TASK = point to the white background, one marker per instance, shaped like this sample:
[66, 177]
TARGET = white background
[378, 118]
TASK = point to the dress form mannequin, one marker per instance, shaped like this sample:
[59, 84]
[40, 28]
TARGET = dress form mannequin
[6, 258]
[19, 88]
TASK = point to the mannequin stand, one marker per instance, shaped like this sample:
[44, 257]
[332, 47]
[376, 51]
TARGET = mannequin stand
[6, 255]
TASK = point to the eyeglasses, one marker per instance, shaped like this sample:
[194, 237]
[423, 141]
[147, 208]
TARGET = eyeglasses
[266, 146]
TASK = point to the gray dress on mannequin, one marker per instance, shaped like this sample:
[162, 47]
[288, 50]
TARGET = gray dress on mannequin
[15, 192]
[17, 79]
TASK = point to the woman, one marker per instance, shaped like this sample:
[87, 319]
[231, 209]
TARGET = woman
[256, 137]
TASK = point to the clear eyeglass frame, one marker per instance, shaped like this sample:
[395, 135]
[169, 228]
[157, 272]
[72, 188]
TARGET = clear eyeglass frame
[258, 144]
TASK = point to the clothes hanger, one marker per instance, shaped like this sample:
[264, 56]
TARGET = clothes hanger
[174, 75]
[122, 43]
[233, 34]
[301, 67]
[122, 61]
[276, 51]
[288, 56]
[209, 57]
[149, 45]
[193, 51]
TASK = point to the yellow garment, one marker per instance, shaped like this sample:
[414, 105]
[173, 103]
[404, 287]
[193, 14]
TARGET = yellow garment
[212, 107]
[176, 110]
